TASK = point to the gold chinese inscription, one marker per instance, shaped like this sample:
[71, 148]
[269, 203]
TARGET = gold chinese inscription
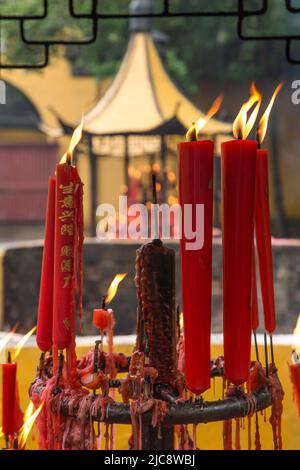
[67, 219]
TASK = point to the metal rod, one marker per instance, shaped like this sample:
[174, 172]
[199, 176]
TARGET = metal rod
[272, 349]
[190, 413]
[256, 346]
[41, 364]
[266, 354]
[57, 388]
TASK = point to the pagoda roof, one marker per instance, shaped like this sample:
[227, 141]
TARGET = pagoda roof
[142, 97]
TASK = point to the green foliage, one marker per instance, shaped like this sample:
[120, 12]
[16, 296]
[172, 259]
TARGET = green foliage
[197, 48]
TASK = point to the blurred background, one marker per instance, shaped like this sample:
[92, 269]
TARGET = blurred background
[140, 85]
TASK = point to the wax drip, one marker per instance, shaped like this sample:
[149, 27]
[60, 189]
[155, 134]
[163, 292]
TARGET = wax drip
[277, 408]
[237, 434]
[249, 432]
[195, 436]
[106, 437]
[257, 435]
[227, 434]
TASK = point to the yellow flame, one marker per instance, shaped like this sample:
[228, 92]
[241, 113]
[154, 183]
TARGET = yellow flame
[75, 139]
[263, 125]
[181, 322]
[28, 423]
[7, 337]
[112, 290]
[194, 131]
[21, 343]
[28, 412]
[243, 125]
[1, 433]
[296, 334]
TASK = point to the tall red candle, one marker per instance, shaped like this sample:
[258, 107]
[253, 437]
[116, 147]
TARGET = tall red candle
[196, 187]
[45, 311]
[238, 167]
[9, 373]
[67, 228]
[264, 240]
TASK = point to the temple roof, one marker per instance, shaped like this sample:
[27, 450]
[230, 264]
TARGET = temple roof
[142, 96]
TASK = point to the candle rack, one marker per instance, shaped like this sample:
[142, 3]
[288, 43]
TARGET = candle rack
[155, 381]
[192, 411]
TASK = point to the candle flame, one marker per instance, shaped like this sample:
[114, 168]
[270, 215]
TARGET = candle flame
[112, 290]
[243, 125]
[1, 433]
[296, 333]
[263, 125]
[75, 139]
[7, 338]
[21, 343]
[29, 419]
[194, 131]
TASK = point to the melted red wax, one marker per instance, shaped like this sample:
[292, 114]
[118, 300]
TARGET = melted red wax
[249, 432]
[277, 408]
[227, 434]
[237, 434]
[257, 434]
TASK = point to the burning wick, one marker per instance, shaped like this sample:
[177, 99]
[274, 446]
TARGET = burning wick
[243, 124]
[263, 124]
[194, 132]
[76, 137]
[103, 317]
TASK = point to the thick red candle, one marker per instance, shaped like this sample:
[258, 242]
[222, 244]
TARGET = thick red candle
[18, 413]
[263, 240]
[9, 373]
[238, 164]
[195, 188]
[67, 213]
[45, 312]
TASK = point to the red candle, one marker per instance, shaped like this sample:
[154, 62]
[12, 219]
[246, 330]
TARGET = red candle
[9, 373]
[18, 413]
[238, 166]
[195, 188]
[67, 209]
[262, 222]
[264, 241]
[45, 312]
[103, 319]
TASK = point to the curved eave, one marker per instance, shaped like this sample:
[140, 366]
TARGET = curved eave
[142, 97]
